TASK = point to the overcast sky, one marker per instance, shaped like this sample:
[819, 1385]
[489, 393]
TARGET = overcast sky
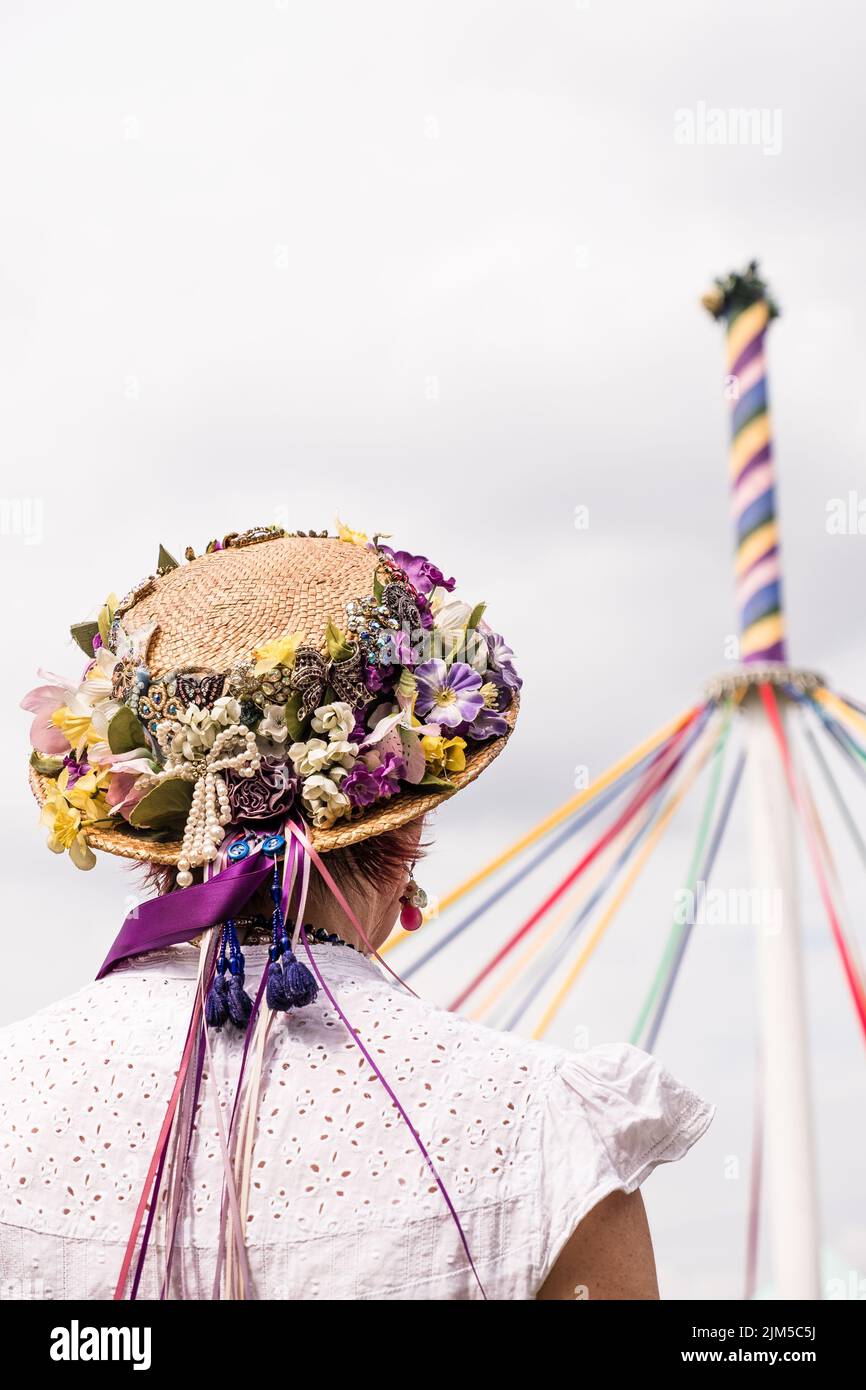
[437, 267]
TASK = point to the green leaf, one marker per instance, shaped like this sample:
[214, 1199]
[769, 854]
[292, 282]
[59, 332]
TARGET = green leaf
[377, 587]
[44, 763]
[165, 807]
[407, 684]
[106, 617]
[83, 634]
[104, 623]
[294, 725]
[430, 782]
[165, 561]
[475, 616]
[336, 642]
[125, 732]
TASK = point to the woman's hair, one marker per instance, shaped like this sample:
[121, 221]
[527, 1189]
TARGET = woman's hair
[380, 862]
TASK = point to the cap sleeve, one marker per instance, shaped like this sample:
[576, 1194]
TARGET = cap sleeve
[612, 1114]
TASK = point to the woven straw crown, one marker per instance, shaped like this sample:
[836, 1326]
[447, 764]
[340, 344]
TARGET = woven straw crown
[212, 613]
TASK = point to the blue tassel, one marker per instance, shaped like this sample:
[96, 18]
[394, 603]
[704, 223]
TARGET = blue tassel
[240, 1005]
[300, 983]
[238, 1002]
[276, 989]
[216, 1008]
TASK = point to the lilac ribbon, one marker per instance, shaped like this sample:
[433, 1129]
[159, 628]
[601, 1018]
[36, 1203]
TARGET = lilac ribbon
[177, 917]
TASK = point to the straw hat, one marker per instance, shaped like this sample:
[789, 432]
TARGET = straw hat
[212, 613]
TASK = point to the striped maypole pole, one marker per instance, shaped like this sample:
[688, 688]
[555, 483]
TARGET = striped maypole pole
[747, 309]
[743, 302]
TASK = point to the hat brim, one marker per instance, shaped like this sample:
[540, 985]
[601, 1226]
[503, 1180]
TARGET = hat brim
[399, 810]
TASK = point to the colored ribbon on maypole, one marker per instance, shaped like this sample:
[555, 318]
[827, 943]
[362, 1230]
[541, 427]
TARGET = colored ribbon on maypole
[742, 300]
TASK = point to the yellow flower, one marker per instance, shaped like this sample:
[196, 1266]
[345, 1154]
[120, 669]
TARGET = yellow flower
[65, 832]
[280, 652]
[86, 794]
[77, 728]
[347, 534]
[444, 754]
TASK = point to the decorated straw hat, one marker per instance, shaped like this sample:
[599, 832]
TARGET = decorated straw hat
[330, 677]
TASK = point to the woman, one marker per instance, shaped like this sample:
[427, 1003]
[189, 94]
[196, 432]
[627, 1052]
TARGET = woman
[248, 1102]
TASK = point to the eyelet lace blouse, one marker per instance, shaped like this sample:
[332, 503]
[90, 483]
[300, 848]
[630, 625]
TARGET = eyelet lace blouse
[527, 1139]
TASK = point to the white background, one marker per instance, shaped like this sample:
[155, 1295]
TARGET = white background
[436, 267]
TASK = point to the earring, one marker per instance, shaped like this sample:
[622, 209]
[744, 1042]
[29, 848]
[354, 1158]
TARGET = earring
[414, 899]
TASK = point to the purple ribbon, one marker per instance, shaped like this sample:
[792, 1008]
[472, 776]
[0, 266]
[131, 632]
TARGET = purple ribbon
[177, 917]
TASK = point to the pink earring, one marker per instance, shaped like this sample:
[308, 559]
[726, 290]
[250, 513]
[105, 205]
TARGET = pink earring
[413, 901]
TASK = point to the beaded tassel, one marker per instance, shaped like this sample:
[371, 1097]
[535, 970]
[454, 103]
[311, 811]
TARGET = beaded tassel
[290, 984]
[227, 1000]
[240, 1005]
[276, 990]
[216, 1008]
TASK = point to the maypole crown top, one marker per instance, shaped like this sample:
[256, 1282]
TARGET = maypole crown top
[737, 291]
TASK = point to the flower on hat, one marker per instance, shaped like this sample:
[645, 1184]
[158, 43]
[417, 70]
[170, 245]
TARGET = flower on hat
[451, 695]
[71, 803]
[501, 659]
[86, 793]
[336, 720]
[266, 796]
[352, 537]
[76, 725]
[444, 755]
[317, 754]
[323, 799]
[273, 729]
[41, 702]
[422, 574]
[65, 830]
[281, 652]
[365, 785]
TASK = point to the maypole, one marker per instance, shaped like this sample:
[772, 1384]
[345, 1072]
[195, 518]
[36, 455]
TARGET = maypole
[625, 812]
[743, 303]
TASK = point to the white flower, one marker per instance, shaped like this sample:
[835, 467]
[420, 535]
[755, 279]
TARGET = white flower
[310, 757]
[453, 615]
[323, 799]
[133, 644]
[341, 753]
[317, 755]
[273, 727]
[94, 693]
[184, 740]
[336, 720]
[226, 710]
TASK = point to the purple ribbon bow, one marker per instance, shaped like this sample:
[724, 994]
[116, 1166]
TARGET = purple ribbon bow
[180, 916]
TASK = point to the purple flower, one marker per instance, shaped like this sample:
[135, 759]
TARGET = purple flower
[97, 642]
[75, 769]
[266, 796]
[380, 678]
[488, 724]
[421, 573]
[364, 785]
[450, 695]
[501, 658]
[504, 693]
[359, 733]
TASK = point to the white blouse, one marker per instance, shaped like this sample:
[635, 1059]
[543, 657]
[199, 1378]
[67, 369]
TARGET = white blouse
[527, 1139]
